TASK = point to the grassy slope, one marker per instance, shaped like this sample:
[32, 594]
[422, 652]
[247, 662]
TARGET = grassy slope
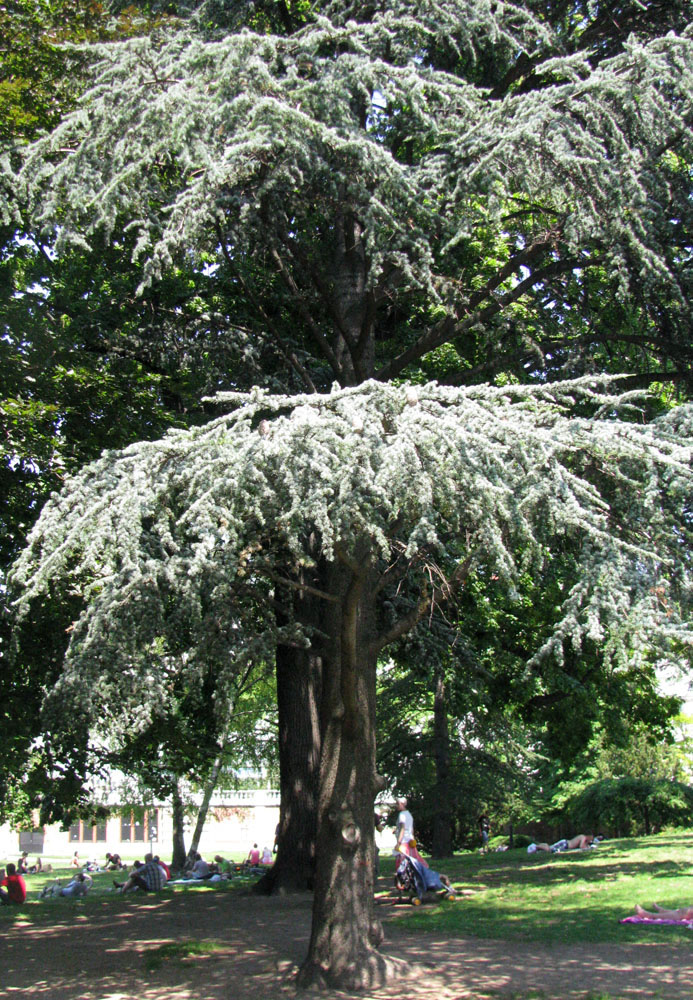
[576, 896]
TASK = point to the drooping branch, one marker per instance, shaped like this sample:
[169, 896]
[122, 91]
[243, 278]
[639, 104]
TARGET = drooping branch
[300, 586]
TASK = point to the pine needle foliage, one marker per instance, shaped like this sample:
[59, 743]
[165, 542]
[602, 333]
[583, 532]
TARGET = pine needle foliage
[197, 526]
[259, 143]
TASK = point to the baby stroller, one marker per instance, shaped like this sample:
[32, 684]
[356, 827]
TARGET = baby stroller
[415, 880]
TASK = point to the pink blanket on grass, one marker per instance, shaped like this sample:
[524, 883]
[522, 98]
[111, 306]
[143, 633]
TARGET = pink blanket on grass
[656, 920]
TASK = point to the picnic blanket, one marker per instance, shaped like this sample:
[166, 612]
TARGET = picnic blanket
[655, 920]
[195, 881]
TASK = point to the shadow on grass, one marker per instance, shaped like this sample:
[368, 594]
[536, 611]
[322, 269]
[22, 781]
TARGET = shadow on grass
[564, 898]
[563, 868]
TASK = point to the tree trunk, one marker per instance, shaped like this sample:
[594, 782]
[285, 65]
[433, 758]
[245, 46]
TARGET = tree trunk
[298, 695]
[345, 932]
[207, 793]
[442, 816]
[299, 686]
[178, 811]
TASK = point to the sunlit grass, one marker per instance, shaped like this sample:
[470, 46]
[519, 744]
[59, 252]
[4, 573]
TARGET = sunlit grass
[61, 909]
[563, 898]
[177, 952]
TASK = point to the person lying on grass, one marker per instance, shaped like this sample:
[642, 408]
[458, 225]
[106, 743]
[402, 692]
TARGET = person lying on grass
[578, 843]
[78, 886]
[660, 913]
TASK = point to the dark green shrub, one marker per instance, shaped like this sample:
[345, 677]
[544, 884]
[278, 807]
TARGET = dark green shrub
[630, 806]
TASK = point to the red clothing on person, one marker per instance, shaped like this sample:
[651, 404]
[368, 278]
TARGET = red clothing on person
[16, 888]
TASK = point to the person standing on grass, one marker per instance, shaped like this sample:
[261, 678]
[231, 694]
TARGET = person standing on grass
[405, 825]
[484, 825]
[12, 887]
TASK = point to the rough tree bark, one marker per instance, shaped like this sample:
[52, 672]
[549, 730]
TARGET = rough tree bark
[299, 675]
[299, 687]
[442, 816]
[345, 931]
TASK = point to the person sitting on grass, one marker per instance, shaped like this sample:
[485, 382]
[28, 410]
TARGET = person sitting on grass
[12, 887]
[223, 865]
[253, 859]
[200, 868]
[112, 862]
[23, 864]
[149, 877]
[266, 858]
[162, 864]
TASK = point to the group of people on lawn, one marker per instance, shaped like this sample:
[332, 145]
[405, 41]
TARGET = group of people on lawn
[153, 874]
[148, 876]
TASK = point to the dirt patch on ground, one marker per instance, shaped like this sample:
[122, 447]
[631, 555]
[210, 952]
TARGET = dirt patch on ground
[109, 953]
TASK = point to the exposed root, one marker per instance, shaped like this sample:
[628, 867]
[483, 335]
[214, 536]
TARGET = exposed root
[371, 972]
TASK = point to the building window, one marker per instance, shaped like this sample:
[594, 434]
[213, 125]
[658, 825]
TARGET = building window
[87, 833]
[31, 841]
[139, 825]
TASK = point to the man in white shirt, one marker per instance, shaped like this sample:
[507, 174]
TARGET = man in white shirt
[405, 824]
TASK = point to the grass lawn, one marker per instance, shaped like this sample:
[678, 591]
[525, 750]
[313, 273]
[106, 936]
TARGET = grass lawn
[549, 898]
[102, 894]
[563, 898]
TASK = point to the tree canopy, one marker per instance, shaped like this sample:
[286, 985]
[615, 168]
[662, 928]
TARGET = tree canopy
[400, 178]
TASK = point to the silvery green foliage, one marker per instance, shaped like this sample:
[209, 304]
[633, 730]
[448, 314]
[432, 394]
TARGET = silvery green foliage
[181, 135]
[195, 527]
